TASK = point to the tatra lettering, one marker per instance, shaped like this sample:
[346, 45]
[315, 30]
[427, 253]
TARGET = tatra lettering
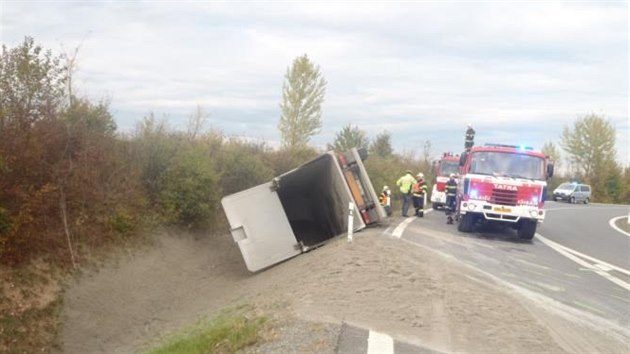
[506, 187]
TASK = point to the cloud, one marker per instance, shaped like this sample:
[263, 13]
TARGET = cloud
[422, 70]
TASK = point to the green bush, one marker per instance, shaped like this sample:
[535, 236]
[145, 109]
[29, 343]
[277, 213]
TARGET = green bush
[190, 193]
[285, 160]
[242, 166]
[121, 221]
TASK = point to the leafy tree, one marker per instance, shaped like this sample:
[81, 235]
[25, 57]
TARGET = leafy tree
[625, 190]
[614, 184]
[382, 146]
[90, 117]
[302, 97]
[550, 149]
[349, 137]
[590, 146]
[31, 85]
[31, 141]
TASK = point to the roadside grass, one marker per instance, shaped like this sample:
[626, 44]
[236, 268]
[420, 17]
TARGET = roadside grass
[623, 224]
[228, 332]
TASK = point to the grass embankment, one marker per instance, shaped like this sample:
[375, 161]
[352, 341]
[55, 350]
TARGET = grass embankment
[30, 303]
[228, 332]
[623, 224]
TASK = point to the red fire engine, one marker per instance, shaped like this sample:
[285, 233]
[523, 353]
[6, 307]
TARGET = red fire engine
[502, 184]
[442, 168]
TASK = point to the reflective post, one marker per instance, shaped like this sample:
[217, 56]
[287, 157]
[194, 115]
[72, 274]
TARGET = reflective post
[424, 202]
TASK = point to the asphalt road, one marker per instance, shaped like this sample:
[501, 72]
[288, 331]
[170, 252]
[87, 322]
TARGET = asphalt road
[576, 265]
[585, 228]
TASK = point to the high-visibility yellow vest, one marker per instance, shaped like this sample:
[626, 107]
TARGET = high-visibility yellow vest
[405, 183]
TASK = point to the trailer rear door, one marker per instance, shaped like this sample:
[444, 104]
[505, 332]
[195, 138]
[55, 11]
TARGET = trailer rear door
[259, 225]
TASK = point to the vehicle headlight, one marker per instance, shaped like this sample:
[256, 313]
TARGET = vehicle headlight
[533, 213]
[474, 194]
[471, 206]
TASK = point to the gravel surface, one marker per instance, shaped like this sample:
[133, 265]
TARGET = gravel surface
[376, 282]
[293, 335]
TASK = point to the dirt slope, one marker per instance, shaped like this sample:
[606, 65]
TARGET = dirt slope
[375, 282]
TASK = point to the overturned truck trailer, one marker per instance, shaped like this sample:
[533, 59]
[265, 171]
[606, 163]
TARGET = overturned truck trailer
[302, 208]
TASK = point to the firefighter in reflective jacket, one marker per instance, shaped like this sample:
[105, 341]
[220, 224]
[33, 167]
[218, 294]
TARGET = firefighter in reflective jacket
[418, 194]
[386, 199]
[451, 193]
[406, 183]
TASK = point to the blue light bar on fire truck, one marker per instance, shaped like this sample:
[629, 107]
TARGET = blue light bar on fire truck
[520, 147]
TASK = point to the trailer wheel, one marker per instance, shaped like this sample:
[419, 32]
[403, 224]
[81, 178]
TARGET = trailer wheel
[527, 229]
[465, 223]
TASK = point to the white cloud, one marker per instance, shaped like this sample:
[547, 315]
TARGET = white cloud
[420, 69]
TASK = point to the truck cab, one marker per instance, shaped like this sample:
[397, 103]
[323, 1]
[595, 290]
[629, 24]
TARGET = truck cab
[503, 184]
[442, 168]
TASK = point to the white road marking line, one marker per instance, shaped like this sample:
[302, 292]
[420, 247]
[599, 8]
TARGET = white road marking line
[398, 231]
[612, 224]
[592, 259]
[573, 255]
[597, 323]
[380, 343]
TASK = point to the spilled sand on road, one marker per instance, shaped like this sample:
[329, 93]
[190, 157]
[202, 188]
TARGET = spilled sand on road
[376, 282]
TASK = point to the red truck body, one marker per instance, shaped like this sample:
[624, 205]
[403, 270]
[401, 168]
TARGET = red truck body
[442, 168]
[503, 184]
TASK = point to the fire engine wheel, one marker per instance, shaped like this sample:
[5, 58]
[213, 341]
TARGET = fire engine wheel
[527, 229]
[465, 223]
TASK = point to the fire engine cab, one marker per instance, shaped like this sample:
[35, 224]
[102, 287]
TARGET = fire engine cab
[442, 168]
[502, 184]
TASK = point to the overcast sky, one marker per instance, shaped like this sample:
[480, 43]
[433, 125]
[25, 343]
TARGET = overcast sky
[422, 70]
